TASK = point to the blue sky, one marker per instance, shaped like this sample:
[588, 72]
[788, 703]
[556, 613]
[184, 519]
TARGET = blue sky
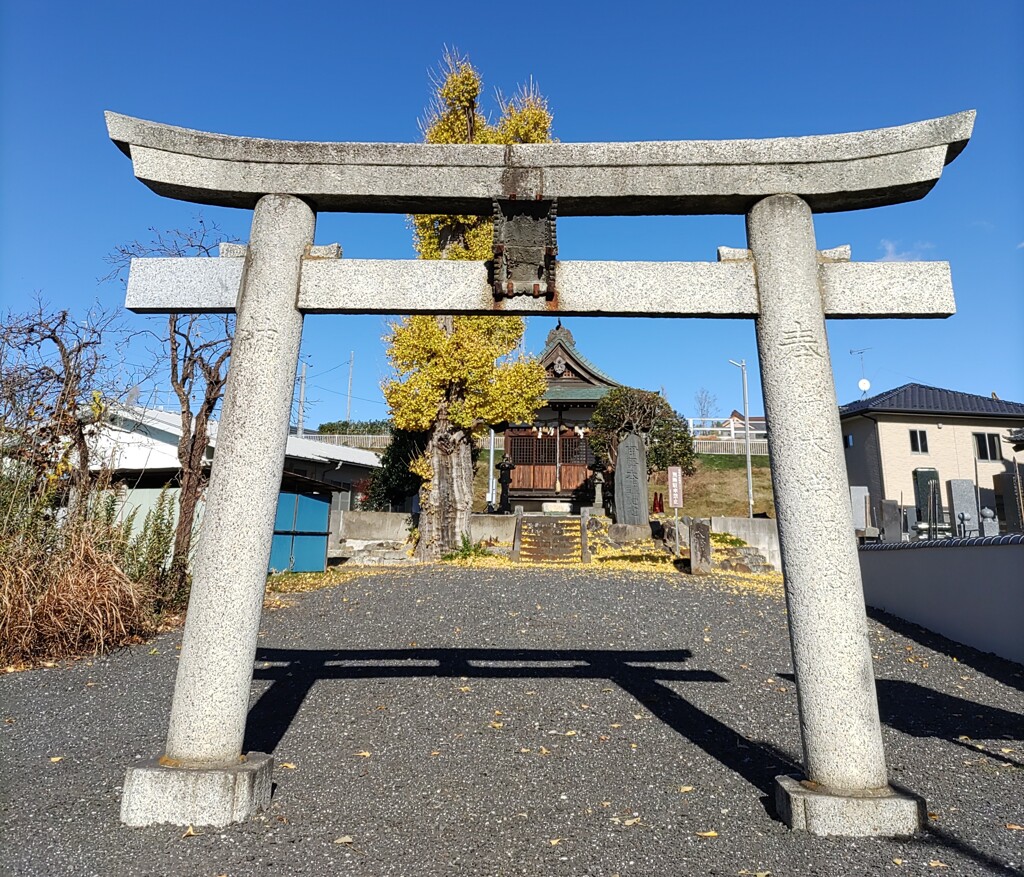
[611, 71]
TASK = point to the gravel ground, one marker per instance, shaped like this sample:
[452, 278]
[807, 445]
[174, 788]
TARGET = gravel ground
[444, 720]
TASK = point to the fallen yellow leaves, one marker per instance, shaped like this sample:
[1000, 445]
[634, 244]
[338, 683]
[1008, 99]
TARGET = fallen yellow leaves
[555, 841]
[189, 832]
[711, 833]
[1013, 826]
[287, 765]
[363, 753]
[497, 725]
[56, 758]
[935, 863]
[344, 839]
[685, 789]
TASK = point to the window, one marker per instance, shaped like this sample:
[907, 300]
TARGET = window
[986, 446]
[919, 441]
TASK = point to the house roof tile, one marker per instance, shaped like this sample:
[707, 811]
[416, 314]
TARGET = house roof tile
[922, 399]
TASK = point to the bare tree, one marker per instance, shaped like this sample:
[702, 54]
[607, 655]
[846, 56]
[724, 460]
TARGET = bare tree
[57, 379]
[198, 349]
[705, 402]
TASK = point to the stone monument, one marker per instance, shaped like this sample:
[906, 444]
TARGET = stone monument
[782, 281]
[700, 548]
[631, 481]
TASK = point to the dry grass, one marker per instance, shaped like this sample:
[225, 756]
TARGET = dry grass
[713, 490]
[69, 601]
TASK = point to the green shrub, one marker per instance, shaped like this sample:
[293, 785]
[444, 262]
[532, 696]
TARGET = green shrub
[467, 550]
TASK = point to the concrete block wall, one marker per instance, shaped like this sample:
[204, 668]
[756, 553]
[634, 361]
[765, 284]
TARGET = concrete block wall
[969, 590]
[395, 526]
[760, 533]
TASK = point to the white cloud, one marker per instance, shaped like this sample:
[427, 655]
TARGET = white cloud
[1020, 246]
[892, 253]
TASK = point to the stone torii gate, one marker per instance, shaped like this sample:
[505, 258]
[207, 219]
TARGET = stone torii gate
[783, 282]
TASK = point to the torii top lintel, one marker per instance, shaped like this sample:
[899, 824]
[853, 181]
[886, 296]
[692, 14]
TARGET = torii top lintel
[832, 172]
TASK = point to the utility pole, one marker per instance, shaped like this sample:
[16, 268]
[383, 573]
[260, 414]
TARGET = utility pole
[742, 366]
[491, 497]
[302, 397]
[348, 404]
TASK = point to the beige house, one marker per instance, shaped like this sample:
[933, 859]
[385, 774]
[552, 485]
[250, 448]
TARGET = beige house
[900, 440]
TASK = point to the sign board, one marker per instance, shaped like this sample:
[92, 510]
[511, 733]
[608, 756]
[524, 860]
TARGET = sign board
[675, 487]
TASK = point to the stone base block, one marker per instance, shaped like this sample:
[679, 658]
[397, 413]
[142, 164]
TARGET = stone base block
[874, 813]
[620, 534]
[217, 796]
[556, 508]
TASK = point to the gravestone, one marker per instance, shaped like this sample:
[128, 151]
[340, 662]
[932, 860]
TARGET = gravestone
[700, 548]
[859, 504]
[631, 481]
[963, 501]
[892, 521]
[1008, 490]
[989, 523]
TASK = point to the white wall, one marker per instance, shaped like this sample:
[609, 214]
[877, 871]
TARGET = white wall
[973, 594]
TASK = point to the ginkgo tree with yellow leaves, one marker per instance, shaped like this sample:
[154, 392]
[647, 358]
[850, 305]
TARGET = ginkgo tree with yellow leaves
[457, 376]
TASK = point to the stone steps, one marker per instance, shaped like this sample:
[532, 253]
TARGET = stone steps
[550, 540]
[370, 553]
[740, 559]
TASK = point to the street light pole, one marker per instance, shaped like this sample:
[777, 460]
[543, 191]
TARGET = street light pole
[742, 366]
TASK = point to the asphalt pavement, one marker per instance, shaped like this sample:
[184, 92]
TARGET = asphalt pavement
[444, 720]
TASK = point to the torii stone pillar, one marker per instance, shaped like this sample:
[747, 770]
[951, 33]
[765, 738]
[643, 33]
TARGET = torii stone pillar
[203, 777]
[842, 735]
[782, 282]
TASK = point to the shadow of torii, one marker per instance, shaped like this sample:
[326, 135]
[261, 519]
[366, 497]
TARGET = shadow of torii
[294, 672]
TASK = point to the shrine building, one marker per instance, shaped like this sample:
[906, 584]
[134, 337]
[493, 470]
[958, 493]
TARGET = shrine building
[552, 454]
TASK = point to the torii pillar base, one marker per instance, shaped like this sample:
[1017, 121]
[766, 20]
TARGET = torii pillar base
[884, 812]
[158, 792]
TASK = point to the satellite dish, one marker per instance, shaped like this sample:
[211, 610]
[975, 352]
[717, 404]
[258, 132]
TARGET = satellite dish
[864, 385]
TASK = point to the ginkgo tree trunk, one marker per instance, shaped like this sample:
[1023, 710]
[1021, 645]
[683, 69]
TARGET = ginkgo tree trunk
[457, 376]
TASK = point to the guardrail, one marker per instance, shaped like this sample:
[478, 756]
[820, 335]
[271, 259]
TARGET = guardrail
[758, 447]
[370, 442]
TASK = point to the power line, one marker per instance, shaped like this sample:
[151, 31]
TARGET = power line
[328, 371]
[339, 393]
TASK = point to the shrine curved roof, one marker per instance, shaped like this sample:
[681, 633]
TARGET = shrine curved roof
[579, 358]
